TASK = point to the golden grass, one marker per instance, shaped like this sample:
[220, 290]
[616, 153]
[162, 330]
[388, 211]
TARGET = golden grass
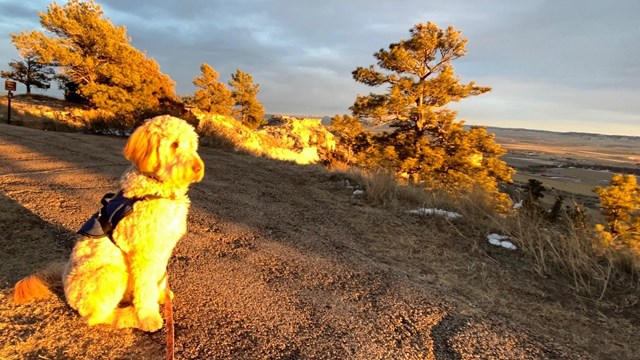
[46, 113]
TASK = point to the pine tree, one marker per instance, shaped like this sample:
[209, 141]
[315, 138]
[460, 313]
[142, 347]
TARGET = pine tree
[620, 205]
[533, 192]
[349, 132]
[247, 107]
[212, 95]
[96, 55]
[70, 89]
[555, 213]
[30, 72]
[429, 145]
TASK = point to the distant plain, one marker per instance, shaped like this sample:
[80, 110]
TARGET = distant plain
[569, 164]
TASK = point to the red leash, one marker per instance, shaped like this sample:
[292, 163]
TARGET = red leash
[168, 313]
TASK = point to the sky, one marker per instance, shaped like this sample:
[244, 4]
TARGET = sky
[570, 65]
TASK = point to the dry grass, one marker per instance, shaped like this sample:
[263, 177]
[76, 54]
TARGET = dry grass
[381, 189]
[215, 135]
[47, 113]
[573, 253]
[562, 251]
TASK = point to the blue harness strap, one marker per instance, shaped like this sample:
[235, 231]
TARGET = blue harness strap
[114, 208]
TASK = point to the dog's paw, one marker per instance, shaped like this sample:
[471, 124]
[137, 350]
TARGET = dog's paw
[150, 322]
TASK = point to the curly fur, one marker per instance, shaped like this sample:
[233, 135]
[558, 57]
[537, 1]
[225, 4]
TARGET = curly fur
[101, 276]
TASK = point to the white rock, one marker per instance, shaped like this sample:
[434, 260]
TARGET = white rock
[508, 245]
[501, 240]
[358, 192]
[497, 237]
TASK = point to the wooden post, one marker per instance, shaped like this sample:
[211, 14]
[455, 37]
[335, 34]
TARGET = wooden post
[9, 108]
[9, 86]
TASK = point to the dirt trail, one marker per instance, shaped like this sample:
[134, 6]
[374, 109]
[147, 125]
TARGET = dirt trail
[280, 262]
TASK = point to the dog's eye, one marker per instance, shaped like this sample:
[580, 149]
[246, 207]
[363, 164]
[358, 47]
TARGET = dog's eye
[174, 145]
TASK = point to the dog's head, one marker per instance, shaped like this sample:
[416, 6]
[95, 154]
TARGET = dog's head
[165, 148]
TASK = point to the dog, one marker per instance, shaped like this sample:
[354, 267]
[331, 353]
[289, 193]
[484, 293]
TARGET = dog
[119, 278]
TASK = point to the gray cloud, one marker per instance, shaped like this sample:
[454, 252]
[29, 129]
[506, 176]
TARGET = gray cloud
[16, 11]
[552, 65]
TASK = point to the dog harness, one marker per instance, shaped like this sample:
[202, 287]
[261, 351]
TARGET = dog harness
[114, 208]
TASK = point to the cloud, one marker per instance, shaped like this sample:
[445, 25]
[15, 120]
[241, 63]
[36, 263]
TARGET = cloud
[548, 105]
[551, 64]
[11, 12]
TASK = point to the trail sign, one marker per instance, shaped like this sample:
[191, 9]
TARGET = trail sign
[10, 85]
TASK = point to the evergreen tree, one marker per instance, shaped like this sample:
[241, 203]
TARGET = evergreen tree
[349, 131]
[247, 107]
[620, 205]
[555, 213]
[70, 89]
[429, 145]
[533, 192]
[96, 56]
[30, 72]
[212, 95]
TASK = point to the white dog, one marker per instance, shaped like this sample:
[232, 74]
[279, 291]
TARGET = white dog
[119, 277]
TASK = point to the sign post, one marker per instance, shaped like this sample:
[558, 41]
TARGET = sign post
[9, 86]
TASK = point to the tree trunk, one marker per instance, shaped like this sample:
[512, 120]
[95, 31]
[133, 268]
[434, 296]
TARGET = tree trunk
[420, 124]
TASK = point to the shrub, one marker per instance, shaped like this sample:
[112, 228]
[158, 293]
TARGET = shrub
[620, 204]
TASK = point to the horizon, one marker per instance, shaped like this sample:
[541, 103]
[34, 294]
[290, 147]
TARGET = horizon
[565, 67]
[324, 118]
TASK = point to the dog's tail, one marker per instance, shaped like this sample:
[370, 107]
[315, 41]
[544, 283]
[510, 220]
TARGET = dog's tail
[40, 285]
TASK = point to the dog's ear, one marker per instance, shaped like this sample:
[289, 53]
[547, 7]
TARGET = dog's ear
[142, 149]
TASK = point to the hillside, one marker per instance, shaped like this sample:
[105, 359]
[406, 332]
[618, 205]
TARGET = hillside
[282, 262]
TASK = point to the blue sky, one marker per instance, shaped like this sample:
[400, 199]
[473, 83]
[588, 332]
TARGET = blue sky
[553, 65]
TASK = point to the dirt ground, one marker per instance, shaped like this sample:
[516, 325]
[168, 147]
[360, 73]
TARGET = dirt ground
[281, 262]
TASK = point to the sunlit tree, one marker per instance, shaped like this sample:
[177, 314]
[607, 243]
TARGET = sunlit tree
[96, 55]
[247, 107]
[349, 132]
[212, 95]
[30, 72]
[620, 205]
[428, 144]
